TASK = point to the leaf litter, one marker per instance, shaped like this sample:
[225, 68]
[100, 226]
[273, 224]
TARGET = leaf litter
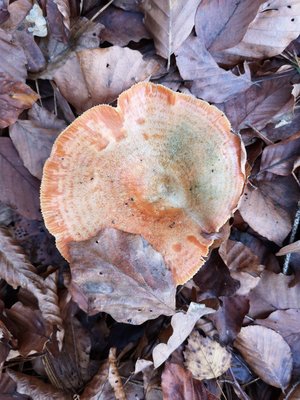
[233, 330]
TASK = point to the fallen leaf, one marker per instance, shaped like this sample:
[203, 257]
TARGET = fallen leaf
[178, 384]
[260, 41]
[283, 157]
[17, 13]
[64, 8]
[21, 189]
[169, 22]
[182, 324]
[267, 353]
[15, 97]
[8, 388]
[287, 324]
[57, 21]
[231, 25]
[17, 271]
[213, 279]
[290, 248]
[121, 27]
[34, 56]
[12, 59]
[270, 206]
[36, 388]
[113, 265]
[33, 138]
[98, 388]
[98, 76]
[273, 293]
[264, 102]
[195, 64]
[205, 358]
[228, 319]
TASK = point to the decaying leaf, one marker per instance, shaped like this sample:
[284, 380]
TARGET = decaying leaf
[270, 206]
[229, 28]
[15, 97]
[22, 189]
[205, 358]
[16, 270]
[283, 157]
[114, 376]
[273, 293]
[195, 64]
[178, 384]
[33, 138]
[267, 353]
[290, 248]
[182, 324]
[169, 22]
[98, 388]
[110, 267]
[12, 58]
[36, 388]
[275, 26]
[98, 76]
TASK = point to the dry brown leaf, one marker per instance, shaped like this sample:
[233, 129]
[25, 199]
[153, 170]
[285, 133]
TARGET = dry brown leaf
[275, 26]
[64, 8]
[12, 58]
[197, 65]
[290, 248]
[56, 21]
[21, 189]
[287, 324]
[270, 206]
[121, 27]
[34, 138]
[182, 324]
[229, 28]
[178, 384]
[99, 75]
[15, 97]
[109, 268]
[267, 353]
[16, 270]
[98, 388]
[274, 293]
[36, 388]
[170, 23]
[35, 58]
[283, 157]
[17, 12]
[205, 358]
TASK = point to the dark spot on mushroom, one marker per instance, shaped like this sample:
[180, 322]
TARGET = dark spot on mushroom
[293, 19]
[212, 170]
[131, 199]
[107, 65]
[172, 224]
[126, 204]
[94, 34]
[150, 310]
[289, 6]
[62, 158]
[100, 273]
[97, 241]
[92, 178]
[129, 320]
[113, 222]
[117, 380]
[139, 309]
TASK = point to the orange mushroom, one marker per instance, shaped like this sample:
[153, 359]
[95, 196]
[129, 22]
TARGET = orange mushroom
[161, 164]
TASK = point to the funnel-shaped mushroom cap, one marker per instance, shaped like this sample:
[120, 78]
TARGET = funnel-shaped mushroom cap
[162, 165]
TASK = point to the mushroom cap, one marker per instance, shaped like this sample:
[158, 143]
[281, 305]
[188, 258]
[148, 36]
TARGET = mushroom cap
[161, 164]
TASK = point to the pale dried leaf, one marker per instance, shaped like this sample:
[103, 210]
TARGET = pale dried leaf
[270, 207]
[21, 189]
[275, 26]
[98, 76]
[34, 138]
[170, 23]
[205, 358]
[267, 353]
[197, 65]
[15, 97]
[16, 270]
[290, 248]
[64, 8]
[229, 28]
[178, 384]
[109, 267]
[282, 158]
[17, 12]
[36, 388]
[182, 324]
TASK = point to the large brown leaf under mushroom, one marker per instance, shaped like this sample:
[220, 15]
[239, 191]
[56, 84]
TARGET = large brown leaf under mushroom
[162, 165]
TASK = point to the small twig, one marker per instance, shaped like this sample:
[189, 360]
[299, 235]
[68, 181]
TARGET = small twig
[38, 91]
[261, 135]
[101, 10]
[290, 392]
[286, 263]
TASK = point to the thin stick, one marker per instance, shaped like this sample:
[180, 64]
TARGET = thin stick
[286, 263]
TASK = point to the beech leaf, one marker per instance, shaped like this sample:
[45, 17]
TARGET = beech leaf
[21, 188]
[205, 358]
[170, 23]
[267, 353]
[197, 65]
[182, 324]
[275, 26]
[97, 76]
[112, 266]
[290, 248]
